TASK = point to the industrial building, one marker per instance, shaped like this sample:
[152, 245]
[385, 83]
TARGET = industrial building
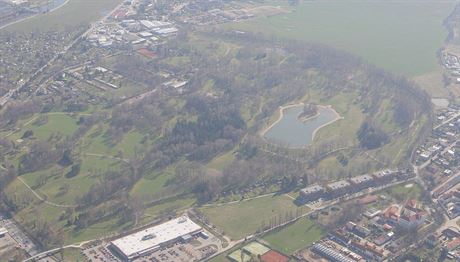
[362, 182]
[330, 253]
[154, 238]
[338, 188]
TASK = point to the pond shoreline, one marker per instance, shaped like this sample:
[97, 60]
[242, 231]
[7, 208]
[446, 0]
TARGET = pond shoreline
[286, 107]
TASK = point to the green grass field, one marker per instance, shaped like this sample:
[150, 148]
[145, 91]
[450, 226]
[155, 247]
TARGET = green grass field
[245, 218]
[151, 184]
[220, 162]
[98, 142]
[57, 123]
[400, 36]
[60, 123]
[405, 191]
[55, 180]
[74, 13]
[294, 237]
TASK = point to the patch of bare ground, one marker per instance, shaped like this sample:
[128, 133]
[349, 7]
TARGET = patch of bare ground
[433, 84]
[452, 49]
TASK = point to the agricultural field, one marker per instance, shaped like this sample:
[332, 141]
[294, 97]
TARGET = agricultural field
[374, 30]
[244, 218]
[73, 13]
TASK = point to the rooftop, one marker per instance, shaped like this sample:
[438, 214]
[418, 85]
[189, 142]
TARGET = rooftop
[361, 179]
[311, 189]
[152, 237]
[338, 185]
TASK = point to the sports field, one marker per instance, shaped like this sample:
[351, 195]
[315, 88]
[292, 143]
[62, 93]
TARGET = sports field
[400, 36]
[244, 218]
[296, 236]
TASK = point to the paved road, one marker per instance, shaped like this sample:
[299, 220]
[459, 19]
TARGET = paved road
[51, 251]
[447, 121]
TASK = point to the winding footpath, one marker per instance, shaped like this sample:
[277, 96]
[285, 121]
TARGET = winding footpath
[41, 198]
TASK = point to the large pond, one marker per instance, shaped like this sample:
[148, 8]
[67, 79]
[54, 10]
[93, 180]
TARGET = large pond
[291, 131]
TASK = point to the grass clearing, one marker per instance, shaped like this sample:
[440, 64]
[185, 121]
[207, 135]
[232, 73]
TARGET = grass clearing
[73, 254]
[296, 236]
[244, 218]
[401, 192]
[55, 187]
[152, 184]
[57, 122]
[220, 162]
[174, 205]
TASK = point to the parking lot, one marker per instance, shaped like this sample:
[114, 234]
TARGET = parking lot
[20, 238]
[99, 253]
[196, 249]
[6, 243]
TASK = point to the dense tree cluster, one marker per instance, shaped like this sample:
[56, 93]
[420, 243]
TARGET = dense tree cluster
[370, 137]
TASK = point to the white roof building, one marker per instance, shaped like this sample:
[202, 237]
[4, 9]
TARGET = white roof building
[154, 24]
[3, 231]
[167, 31]
[150, 239]
[145, 34]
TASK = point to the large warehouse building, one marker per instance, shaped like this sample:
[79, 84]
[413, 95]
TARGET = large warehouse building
[154, 238]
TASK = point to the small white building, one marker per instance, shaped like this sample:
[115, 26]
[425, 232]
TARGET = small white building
[3, 231]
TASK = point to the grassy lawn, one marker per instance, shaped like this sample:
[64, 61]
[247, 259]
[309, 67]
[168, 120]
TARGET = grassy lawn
[63, 124]
[245, 218]
[294, 237]
[345, 129]
[55, 181]
[60, 123]
[175, 204]
[74, 13]
[405, 192]
[73, 254]
[130, 142]
[378, 31]
[98, 230]
[151, 184]
[97, 142]
[220, 162]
